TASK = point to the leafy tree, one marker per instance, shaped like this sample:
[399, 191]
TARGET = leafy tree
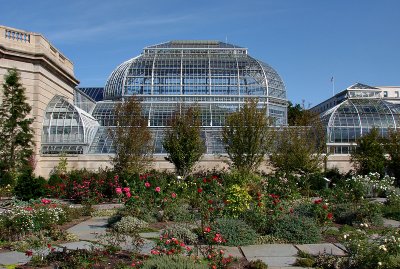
[16, 133]
[369, 156]
[392, 149]
[247, 136]
[183, 141]
[298, 115]
[300, 149]
[131, 138]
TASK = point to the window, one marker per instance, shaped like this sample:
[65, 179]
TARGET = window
[385, 94]
[397, 94]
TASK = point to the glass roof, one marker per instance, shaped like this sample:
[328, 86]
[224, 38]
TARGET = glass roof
[354, 117]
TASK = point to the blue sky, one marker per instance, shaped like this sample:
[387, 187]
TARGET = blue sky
[306, 41]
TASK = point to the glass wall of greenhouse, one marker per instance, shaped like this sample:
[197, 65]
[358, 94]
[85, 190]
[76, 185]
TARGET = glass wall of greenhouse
[214, 76]
[355, 117]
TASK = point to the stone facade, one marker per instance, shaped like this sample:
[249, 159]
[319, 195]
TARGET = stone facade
[44, 71]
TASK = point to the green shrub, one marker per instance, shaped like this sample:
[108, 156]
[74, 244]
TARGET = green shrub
[235, 232]
[351, 214]
[30, 187]
[257, 264]
[391, 212]
[173, 261]
[257, 219]
[182, 232]
[129, 225]
[304, 262]
[296, 229]
[6, 179]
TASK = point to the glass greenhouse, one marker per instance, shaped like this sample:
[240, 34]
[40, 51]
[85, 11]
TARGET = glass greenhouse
[355, 117]
[216, 77]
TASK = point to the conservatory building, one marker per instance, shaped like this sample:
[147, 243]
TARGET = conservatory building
[214, 76]
[353, 112]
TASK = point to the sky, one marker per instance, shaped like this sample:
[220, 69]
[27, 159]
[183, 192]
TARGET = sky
[306, 41]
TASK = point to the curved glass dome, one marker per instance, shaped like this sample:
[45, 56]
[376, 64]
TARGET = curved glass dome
[351, 119]
[194, 68]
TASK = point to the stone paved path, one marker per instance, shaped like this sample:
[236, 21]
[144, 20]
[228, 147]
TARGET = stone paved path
[277, 256]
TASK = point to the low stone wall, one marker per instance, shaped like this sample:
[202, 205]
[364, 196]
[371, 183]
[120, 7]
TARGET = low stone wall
[46, 164]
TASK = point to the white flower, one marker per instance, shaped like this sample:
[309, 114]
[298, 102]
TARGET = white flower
[380, 263]
[383, 247]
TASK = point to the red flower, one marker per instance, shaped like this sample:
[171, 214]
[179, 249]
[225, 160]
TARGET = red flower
[29, 253]
[329, 216]
[147, 185]
[325, 206]
[126, 189]
[218, 238]
[204, 180]
[317, 201]
[199, 190]
[207, 229]
[157, 189]
[118, 190]
[173, 195]
[128, 194]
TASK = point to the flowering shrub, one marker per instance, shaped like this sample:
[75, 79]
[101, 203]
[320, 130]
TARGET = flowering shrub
[370, 185]
[30, 218]
[382, 252]
[168, 245]
[182, 232]
[237, 200]
[129, 224]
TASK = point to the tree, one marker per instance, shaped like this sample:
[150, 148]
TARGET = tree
[247, 136]
[369, 156]
[300, 149]
[392, 149]
[182, 140]
[298, 115]
[131, 138]
[16, 133]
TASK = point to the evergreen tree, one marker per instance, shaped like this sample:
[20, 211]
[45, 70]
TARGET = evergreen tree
[16, 133]
[247, 136]
[183, 141]
[131, 138]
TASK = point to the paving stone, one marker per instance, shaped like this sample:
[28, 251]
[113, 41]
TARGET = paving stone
[233, 251]
[150, 235]
[90, 229]
[107, 206]
[13, 257]
[316, 249]
[273, 262]
[341, 246]
[80, 245]
[269, 250]
[147, 247]
[391, 223]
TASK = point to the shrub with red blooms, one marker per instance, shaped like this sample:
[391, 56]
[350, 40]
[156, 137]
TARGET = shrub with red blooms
[322, 211]
[93, 187]
[168, 245]
[216, 258]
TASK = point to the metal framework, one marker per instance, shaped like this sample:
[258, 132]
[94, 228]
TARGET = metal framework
[355, 117]
[216, 77]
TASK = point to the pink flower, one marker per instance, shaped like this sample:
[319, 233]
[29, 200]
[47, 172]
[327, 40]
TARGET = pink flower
[157, 189]
[126, 189]
[128, 194]
[207, 229]
[46, 201]
[118, 190]
[173, 195]
[147, 184]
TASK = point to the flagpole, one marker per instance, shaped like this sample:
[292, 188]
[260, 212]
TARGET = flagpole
[333, 85]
